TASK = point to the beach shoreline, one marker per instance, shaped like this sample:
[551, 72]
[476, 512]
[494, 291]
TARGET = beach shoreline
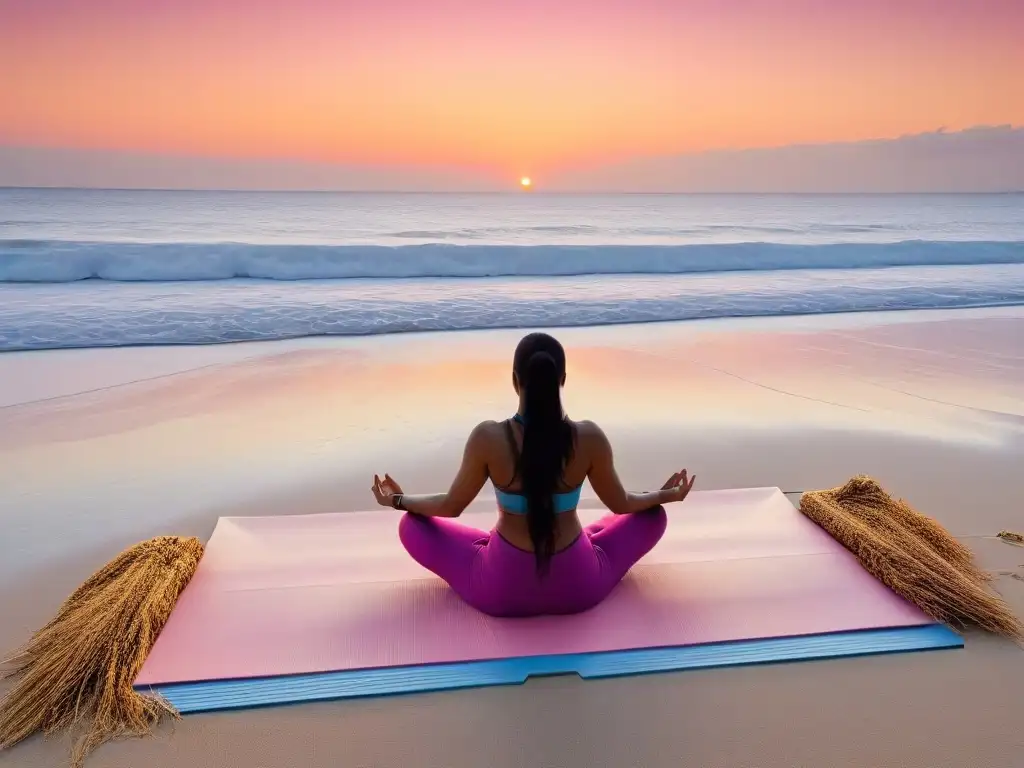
[34, 374]
[101, 448]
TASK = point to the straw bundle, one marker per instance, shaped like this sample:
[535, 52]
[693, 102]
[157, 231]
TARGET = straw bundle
[78, 670]
[1011, 538]
[912, 555]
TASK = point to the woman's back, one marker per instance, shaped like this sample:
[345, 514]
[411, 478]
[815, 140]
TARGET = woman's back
[538, 559]
[503, 464]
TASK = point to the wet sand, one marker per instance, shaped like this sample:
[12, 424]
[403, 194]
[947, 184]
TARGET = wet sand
[101, 448]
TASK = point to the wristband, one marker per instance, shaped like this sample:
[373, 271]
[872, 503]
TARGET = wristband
[396, 502]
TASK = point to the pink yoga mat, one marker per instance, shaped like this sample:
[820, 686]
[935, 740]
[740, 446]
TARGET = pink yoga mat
[318, 593]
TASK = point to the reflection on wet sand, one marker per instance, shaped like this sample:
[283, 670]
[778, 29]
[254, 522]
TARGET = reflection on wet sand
[911, 377]
[289, 417]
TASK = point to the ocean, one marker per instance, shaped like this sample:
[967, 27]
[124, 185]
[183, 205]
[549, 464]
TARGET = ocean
[98, 268]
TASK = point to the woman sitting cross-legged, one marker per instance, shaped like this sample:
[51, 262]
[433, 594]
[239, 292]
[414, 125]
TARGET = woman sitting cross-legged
[539, 559]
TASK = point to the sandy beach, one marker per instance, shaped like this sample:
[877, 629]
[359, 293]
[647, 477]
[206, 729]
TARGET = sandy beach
[101, 448]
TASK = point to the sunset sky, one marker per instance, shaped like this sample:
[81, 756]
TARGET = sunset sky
[513, 87]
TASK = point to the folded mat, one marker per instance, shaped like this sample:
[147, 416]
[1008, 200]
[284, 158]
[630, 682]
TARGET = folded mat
[330, 606]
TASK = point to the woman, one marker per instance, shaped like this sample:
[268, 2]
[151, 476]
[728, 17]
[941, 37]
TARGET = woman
[539, 559]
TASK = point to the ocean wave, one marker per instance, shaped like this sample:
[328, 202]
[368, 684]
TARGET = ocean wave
[61, 261]
[630, 232]
[107, 314]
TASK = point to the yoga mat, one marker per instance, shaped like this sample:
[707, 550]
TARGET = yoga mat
[239, 694]
[740, 577]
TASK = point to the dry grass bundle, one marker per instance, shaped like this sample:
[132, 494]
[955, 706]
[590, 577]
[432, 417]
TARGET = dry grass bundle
[1011, 537]
[911, 554]
[78, 670]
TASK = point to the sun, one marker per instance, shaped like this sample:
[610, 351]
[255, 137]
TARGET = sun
[525, 182]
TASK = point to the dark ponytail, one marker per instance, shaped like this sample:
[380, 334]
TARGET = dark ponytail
[547, 437]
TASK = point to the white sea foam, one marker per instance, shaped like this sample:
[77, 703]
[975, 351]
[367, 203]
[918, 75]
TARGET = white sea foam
[59, 261]
[100, 313]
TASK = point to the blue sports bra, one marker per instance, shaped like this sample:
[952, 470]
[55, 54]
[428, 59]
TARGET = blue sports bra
[515, 503]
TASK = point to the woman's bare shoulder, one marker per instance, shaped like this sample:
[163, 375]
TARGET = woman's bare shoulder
[487, 426]
[487, 431]
[484, 438]
[588, 432]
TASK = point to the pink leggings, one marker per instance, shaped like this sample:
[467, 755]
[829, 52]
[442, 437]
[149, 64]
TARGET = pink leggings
[500, 579]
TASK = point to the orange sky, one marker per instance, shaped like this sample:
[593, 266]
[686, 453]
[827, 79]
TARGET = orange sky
[518, 88]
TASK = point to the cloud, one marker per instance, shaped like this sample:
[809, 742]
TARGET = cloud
[981, 159]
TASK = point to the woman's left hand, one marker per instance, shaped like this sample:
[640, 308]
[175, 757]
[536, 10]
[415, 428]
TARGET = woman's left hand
[679, 485]
[385, 490]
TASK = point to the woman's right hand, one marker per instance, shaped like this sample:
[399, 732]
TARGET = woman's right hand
[678, 486]
[384, 491]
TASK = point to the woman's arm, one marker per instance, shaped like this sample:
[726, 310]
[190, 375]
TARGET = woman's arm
[468, 481]
[606, 483]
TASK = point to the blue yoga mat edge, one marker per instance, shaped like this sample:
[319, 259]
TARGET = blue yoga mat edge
[216, 695]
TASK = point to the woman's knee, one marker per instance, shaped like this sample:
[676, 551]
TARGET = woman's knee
[655, 519]
[411, 530]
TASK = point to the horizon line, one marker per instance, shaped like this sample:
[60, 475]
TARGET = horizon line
[509, 192]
